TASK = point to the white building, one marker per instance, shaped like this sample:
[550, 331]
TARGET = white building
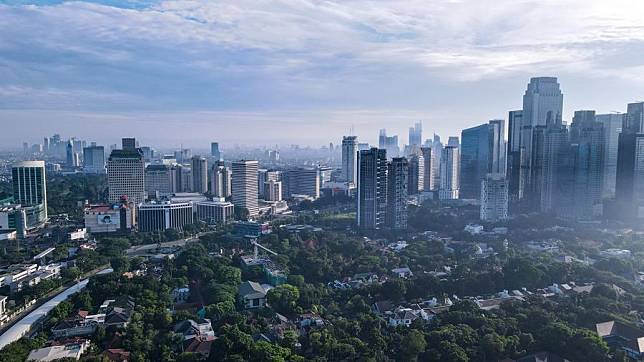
[273, 191]
[449, 168]
[220, 182]
[349, 159]
[108, 218]
[244, 185]
[494, 198]
[165, 215]
[215, 212]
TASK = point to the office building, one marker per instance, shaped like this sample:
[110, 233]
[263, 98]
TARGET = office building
[215, 212]
[214, 151]
[94, 159]
[514, 154]
[349, 159]
[388, 143]
[396, 214]
[199, 174]
[30, 191]
[494, 198]
[160, 181]
[437, 152]
[221, 182]
[273, 190]
[481, 153]
[587, 142]
[301, 181]
[70, 163]
[372, 188]
[244, 185]
[416, 174]
[126, 175]
[416, 134]
[629, 186]
[449, 169]
[128, 144]
[153, 217]
[427, 168]
[542, 102]
[612, 125]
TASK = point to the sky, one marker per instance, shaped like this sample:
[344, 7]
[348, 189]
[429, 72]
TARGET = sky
[260, 72]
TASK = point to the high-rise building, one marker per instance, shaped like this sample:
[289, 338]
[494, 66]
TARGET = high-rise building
[199, 174]
[165, 215]
[449, 169]
[70, 155]
[427, 168]
[160, 180]
[416, 174]
[481, 153]
[221, 181]
[514, 154]
[629, 187]
[372, 188]
[388, 143]
[126, 175]
[349, 159]
[261, 179]
[214, 151]
[612, 124]
[244, 185]
[542, 102]
[94, 159]
[128, 143]
[416, 134]
[396, 214]
[494, 198]
[273, 190]
[30, 191]
[301, 181]
[437, 152]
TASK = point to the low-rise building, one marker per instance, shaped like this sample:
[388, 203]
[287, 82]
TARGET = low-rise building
[623, 336]
[215, 212]
[72, 350]
[109, 218]
[252, 294]
[164, 215]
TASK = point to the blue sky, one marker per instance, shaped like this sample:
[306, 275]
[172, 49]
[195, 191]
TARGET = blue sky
[303, 71]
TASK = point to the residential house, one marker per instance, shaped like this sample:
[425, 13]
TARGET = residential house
[402, 272]
[252, 295]
[72, 350]
[620, 335]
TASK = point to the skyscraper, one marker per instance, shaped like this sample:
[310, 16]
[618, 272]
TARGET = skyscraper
[515, 151]
[396, 214]
[476, 147]
[126, 175]
[629, 187]
[244, 185]
[388, 143]
[160, 181]
[199, 174]
[437, 152]
[427, 168]
[612, 124]
[214, 151]
[349, 159]
[416, 134]
[221, 181]
[128, 143]
[449, 169]
[70, 155]
[372, 188]
[494, 198]
[301, 181]
[30, 190]
[587, 143]
[416, 174]
[273, 190]
[94, 159]
[542, 102]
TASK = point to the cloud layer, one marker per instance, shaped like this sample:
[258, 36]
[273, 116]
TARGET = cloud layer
[466, 59]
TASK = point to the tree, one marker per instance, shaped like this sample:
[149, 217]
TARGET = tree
[283, 298]
[412, 345]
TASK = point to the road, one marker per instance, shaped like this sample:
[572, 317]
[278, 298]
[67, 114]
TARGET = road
[168, 244]
[24, 326]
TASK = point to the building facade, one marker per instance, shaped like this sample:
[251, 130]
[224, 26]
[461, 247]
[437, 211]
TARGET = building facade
[449, 169]
[372, 188]
[30, 190]
[397, 193]
[494, 198]
[162, 216]
[244, 185]
[349, 158]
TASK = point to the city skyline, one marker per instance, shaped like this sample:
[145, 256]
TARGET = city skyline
[317, 76]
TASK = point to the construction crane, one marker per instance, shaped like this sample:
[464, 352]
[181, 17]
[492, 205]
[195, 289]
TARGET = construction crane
[256, 245]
